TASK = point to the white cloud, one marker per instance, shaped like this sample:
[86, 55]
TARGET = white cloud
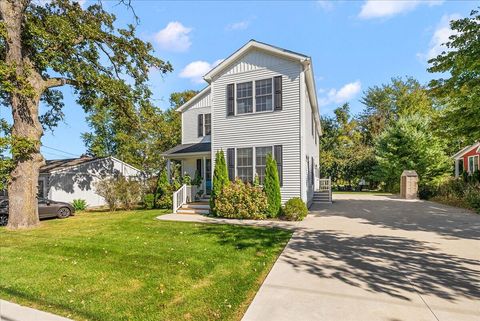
[174, 37]
[340, 96]
[440, 36]
[389, 8]
[197, 69]
[326, 5]
[241, 25]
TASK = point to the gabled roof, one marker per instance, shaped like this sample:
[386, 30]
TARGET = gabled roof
[253, 44]
[195, 98]
[273, 50]
[55, 165]
[467, 149]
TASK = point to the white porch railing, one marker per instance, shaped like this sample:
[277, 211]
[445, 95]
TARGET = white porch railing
[185, 194]
[325, 185]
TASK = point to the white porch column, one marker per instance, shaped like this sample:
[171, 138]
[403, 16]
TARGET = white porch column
[204, 172]
[169, 169]
[457, 169]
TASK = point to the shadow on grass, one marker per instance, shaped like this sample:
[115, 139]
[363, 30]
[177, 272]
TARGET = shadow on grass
[55, 305]
[243, 237]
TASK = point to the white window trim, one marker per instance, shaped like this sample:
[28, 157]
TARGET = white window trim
[254, 155]
[254, 105]
[204, 125]
[471, 170]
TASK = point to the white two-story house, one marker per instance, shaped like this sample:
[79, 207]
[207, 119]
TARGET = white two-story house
[260, 100]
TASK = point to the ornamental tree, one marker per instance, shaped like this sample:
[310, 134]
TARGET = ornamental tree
[220, 178]
[44, 46]
[271, 186]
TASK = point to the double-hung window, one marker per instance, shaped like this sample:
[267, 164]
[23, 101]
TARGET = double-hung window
[473, 164]
[245, 164]
[261, 161]
[244, 98]
[263, 95]
[208, 124]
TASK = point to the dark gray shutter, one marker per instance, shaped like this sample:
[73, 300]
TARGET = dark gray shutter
[230, 100]
[277, 85]
[278, 155]
[200, 125]
[231, 163]
[199, 167]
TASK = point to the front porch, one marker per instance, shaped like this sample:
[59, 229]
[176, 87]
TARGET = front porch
[193, 160]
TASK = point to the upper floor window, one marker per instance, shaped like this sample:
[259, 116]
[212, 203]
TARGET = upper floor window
[204, 126]
[208, 124]
[244, 98]
[263, 95]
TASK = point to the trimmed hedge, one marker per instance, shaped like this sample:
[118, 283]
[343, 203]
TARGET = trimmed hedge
[271, 187]
[242, 201]
[295, 209]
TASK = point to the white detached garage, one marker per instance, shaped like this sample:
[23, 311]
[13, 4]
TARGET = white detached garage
[75, 178]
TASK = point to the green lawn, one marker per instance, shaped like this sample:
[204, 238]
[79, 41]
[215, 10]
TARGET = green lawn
[129, 266]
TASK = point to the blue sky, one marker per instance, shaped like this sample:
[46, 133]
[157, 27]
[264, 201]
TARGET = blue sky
[353, 44]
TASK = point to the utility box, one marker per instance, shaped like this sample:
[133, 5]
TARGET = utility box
[409, 185]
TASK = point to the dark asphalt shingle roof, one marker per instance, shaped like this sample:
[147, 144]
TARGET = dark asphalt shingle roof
[57, 164]
[189, 148]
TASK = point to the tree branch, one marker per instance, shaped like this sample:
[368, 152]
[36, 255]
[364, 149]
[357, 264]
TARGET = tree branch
[57, 82]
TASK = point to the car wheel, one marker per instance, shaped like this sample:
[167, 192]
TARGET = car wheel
[3, 220]
[64, 212]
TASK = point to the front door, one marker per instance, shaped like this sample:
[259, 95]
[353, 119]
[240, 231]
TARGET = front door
[208, 176]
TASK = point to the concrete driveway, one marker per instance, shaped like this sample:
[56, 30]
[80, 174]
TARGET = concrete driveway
[367, 258]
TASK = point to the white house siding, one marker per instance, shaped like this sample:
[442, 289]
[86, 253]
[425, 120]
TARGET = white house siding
[190, 120]
[262, 129]
[79, 182]
[311, 149]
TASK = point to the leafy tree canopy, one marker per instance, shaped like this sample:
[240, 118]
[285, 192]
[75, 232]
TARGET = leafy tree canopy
[459, 90]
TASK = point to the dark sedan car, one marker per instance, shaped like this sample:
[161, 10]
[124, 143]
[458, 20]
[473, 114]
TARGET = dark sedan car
[46, 209]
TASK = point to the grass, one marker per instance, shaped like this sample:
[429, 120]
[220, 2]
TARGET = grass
[129, 266]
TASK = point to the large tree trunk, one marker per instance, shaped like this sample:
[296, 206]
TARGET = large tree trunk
[23, 187]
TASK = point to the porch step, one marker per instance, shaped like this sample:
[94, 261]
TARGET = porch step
[322, 197]
[194, 208]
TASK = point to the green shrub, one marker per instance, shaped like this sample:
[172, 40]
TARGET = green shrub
[272, 187]
[243, 201]
[426, 192]
[295, 209]
[149, 201]
[220, 179]
[119, 192]
[472, 197]
[164, 201]
[79, 204]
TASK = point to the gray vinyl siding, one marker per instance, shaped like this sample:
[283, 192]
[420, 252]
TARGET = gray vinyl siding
[190, 120]
[262, 129]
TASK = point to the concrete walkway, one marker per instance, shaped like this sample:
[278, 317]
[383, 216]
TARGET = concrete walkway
[14, 312]
[368, 258]
[195, 218]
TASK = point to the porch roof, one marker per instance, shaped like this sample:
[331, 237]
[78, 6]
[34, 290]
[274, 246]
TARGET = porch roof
[186, 149]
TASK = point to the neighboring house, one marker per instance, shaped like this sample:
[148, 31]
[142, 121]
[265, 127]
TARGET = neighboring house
[260, 100]
[68, 179]
[467, 160]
